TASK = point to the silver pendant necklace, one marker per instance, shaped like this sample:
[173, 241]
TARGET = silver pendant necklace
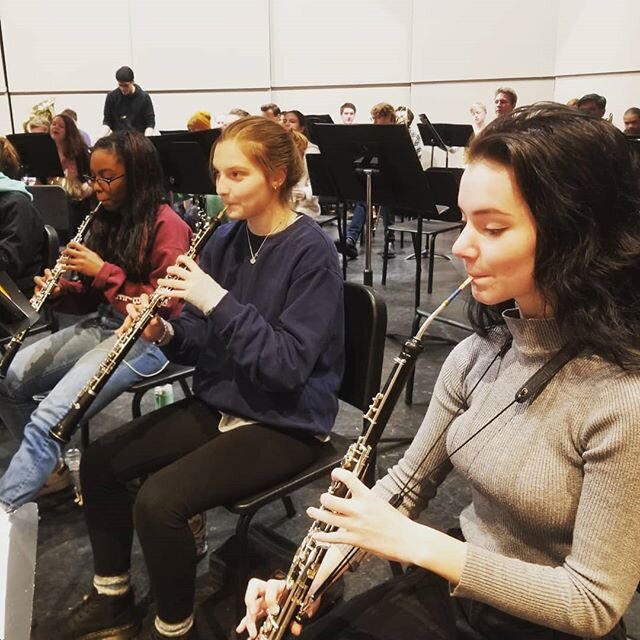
[254, 254]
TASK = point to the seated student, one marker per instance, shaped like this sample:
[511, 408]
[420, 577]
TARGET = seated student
[632, 122]
[199, 121]
[132, 240]
[302, 198]
[22, 242]
[271, 111]
[264, 327]
[74, 158]
[549, 544]
[348, 112]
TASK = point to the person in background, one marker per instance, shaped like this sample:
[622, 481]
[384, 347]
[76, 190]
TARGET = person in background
[504, 101]
[404, 116]
[302, 198]
[128, 106]
[594, 104]
[38, 124]
[632, 121]
[573, 103]
[241, 113]
[348, 112]
[74, 116]
[22, 236]
[199, 121]
[74, 158]
[478, 113]
[271, 111]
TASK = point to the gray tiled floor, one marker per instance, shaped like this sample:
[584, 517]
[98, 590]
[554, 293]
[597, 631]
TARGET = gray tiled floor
[64, 559]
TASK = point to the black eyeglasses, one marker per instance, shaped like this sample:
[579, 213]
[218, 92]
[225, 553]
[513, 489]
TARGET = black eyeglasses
[105, 182]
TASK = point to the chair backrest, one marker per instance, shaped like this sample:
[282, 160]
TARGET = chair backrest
[444, 184]
[365, 315]
[52, 203]
[51, 247]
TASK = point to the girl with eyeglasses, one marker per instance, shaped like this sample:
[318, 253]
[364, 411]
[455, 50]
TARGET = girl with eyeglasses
[131, 242]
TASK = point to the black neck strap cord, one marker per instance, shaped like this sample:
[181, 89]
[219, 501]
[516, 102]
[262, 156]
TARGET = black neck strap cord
[529, 391]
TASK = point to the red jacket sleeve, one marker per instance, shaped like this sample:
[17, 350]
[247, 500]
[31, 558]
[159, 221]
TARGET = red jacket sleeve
[172, 238]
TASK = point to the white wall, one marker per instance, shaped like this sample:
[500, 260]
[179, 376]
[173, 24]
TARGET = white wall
[436, 56]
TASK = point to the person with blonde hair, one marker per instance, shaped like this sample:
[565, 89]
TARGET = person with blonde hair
[199, 121]
[478, 112]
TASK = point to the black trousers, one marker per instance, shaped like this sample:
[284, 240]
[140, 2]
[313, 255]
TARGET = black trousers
[417, 605]
[194, 467]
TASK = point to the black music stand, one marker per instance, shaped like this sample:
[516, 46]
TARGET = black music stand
[430, 137]
[314, 119]
[185, 160]
[323, 186]
[16, 312]
[38, 154]
[375, 163]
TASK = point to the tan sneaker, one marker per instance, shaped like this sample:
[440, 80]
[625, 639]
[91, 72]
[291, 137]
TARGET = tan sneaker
[59, 480]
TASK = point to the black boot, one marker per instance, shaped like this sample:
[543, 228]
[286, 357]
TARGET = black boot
[99, 616]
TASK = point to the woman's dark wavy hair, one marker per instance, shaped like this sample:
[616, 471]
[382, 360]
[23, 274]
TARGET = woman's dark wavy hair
[581, 180]
[73, 145]
[125, 237]
[301, 119]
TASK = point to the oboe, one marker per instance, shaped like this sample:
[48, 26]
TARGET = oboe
[309, 554]
[37, 301]
[63, 431]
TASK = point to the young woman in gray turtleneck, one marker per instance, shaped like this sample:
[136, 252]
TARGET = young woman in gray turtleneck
[549, 544]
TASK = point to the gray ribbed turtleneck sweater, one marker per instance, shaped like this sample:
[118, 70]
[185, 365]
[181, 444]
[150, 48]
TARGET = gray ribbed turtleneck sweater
[554, 524]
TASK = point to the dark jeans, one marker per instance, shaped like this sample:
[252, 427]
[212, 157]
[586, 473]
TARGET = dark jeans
[359, 216]
[417, 605]
[194, 467]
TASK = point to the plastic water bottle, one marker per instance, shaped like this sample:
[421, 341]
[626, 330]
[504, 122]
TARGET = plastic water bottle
[72, 460]
[163, 395]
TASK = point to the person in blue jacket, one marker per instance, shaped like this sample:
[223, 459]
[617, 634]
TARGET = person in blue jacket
[264, 325]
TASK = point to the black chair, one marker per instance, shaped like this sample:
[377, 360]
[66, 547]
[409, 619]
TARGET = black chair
[52, 202]
[444, 185]
[365, 330]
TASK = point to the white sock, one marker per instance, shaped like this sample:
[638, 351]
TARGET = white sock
[176, 630]
[112, 585]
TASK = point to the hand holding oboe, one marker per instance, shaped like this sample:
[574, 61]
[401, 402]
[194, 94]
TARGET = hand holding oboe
[41, 283]
[154, 329]
[187, 281]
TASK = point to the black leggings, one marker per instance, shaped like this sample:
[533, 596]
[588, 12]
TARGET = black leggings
[194, 467]
[417, 605]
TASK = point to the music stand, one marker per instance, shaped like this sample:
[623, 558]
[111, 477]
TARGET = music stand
[38, 154]
[314, 119]
[323, 186]
[454, 135]
[357, 153]
[430, 137]
[185, 160]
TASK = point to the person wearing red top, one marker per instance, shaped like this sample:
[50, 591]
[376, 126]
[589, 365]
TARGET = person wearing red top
[132, 240]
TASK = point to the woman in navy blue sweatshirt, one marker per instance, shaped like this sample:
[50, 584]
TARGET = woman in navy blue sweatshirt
[263, 323]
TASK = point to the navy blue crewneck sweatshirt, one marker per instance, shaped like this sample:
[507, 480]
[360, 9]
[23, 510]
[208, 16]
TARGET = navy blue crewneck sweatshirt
[273, 349]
